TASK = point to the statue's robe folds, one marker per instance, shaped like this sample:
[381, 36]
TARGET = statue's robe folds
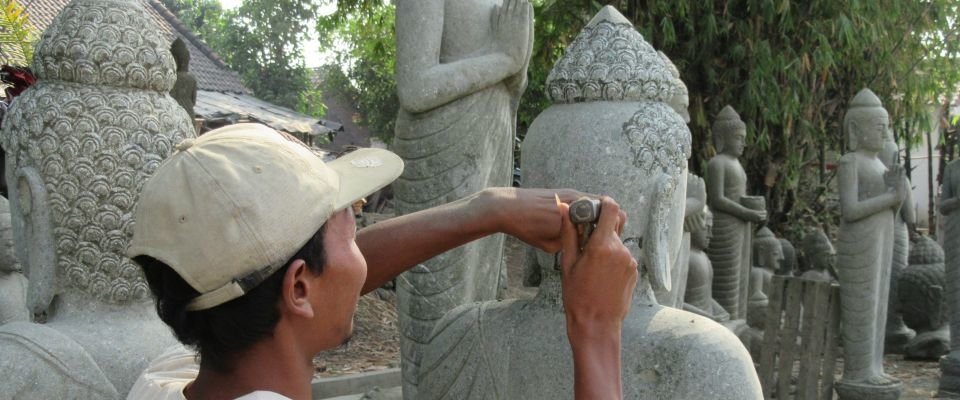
[864, 258]
[450, 152]
[518, 349]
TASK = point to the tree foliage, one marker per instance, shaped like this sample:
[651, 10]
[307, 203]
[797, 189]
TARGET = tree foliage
[362, 31]
[17, 35]
[261, 40]
[789, 69]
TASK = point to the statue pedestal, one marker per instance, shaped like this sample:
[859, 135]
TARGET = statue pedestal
[866, 391]
[950, 376]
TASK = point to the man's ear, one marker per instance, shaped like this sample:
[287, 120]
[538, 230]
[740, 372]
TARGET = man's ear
[296, 289]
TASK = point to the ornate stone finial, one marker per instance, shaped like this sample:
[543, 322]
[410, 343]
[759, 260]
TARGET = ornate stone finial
[727, 121]
[610, 61]
[865, 98]
[815, 242]
[674, 72]
[925, 251]
[105, 42]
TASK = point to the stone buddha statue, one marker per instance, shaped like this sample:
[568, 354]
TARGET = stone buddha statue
[459, 81]
[13, 285]
[819, 256]
[949, 203]
[185, 87]
[768, 254]
[870, 195]
[729, 249]
[79, 145]
[637, 153]
[923, 301]
[699, 297]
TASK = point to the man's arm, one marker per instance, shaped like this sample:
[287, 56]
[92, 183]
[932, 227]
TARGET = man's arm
[395, 245]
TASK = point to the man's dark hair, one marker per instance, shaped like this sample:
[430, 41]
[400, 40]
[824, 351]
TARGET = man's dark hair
[221, 333]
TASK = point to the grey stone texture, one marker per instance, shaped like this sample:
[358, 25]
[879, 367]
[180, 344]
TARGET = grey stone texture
[13, 284]
[80, 144]
[950, 202]
[733, 221]
[636, 147]
[790, 264]
[461, 68]
[768, 253]
[870, 194]
[923, 301]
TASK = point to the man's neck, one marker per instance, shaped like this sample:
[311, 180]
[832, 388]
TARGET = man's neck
[274, 365]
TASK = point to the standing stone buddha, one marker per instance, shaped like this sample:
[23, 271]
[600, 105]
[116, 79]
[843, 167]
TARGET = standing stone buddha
[870, 194]
[726, 180]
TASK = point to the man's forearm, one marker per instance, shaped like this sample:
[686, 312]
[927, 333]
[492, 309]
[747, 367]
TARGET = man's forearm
[393, 246]
[596, 363]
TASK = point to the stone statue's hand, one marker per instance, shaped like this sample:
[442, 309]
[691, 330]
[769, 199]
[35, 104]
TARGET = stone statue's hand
[531, 214]
[896, 182]
[511, 27]
[757, 216]
[597, 281]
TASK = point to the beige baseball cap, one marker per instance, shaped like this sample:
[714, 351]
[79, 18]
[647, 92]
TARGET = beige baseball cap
[229, 208]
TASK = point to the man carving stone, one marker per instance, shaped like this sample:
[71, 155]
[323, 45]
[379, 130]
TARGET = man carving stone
[726, 180]
[870, 194]
[455, 131]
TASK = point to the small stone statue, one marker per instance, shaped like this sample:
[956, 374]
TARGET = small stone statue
[185, 88]
[13, 285]
[898, 334]
[79, 145]
[819, 256]
[699, 297]
[638, 155]
[923, 301]
[768, 254]
[870, 194]
[726, 180]
[950, 202]
[459, 79]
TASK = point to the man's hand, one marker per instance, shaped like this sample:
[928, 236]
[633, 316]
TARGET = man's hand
[530, 215]
[598, 284]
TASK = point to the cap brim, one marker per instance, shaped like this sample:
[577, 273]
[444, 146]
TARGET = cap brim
[363, 172]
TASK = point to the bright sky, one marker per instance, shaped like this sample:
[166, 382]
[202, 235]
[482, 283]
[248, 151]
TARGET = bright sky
[312, 56]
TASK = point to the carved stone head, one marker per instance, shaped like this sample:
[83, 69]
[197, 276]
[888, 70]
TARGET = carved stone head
[922, 287]
[789, 264]
[866, 122]
[729, 132]
[767, 250]
[818, 252]
[700, 226]
[81, 142]
[610, 91]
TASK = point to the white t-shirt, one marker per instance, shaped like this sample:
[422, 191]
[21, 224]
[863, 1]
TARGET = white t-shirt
[169, 374]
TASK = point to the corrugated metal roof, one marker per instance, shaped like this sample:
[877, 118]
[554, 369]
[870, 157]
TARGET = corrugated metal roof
[212, 105]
